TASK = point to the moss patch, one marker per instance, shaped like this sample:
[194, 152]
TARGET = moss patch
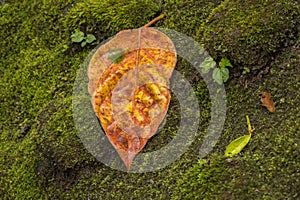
[62, 157]
[250, 34]
[106, 18]
[41, 155]
[268, 167]
[186, 16]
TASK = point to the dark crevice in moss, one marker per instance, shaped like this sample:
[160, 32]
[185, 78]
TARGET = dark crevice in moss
[54, 169]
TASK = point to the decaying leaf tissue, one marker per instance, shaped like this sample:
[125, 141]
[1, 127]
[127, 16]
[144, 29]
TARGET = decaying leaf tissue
[267, 101]
[129, 85]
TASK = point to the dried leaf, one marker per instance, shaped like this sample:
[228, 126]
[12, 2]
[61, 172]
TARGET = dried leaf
[129, 85]
[267, 101]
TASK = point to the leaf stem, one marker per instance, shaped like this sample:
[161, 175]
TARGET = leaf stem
[154, 20]
[250, 129]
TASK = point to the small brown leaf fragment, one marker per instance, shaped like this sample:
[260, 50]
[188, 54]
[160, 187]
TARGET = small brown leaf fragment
[266, 99]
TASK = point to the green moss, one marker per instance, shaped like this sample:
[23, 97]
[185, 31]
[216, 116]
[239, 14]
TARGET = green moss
[34, 69]
[40, 75]
[17, 164]
[202, 181]
[268, 167]
[251, 176]
[250, 33]
[186, 16]
[41, 155]
[61, 154]
[106, 18]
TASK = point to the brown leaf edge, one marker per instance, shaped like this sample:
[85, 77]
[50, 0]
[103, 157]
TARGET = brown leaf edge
[266, 99]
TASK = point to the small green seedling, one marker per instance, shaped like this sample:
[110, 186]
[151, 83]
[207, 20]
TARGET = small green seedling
[246, 70]
[238, 144]
[78, 37]
[207, 65]
[220, 74]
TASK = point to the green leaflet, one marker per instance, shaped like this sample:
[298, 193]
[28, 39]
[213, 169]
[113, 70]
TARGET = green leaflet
[217, 76]
[225, 63]
[221, 73]
[83, 43]
[78, 36]
[90, 38]
[207, 64]
[237, 145]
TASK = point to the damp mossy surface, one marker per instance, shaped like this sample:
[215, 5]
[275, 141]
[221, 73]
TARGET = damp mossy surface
[250, 33]
[41, 154]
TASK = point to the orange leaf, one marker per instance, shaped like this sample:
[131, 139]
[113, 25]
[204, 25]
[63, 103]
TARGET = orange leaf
[267, 101]
[129, 85]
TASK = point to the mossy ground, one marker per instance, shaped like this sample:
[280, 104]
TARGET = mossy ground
[250, 33]
[41, 155]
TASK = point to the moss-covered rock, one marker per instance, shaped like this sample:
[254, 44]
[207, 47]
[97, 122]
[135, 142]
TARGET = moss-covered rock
[41, 155]
[106, 18]
[34, 70]
[17, 164]
[250, 33]
[268, 167]
[62, 156]
[186, 16]
[244, 177]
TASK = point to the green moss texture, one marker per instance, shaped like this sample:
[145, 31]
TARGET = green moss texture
[250, 33]
[41, 154]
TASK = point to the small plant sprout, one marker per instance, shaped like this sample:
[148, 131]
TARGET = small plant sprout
[78, 37]
[207, 64]
[238, 144]
[220, 74]
[250, 129]
[246, 70]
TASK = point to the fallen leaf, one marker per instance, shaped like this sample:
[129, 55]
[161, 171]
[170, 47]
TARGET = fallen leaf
[237, 145]
[267, 101]
[129, 84]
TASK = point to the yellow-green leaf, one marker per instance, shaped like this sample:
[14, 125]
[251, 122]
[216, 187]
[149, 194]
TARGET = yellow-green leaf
[237, 145]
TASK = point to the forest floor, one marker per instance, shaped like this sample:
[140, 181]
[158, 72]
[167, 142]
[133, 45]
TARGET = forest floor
[42, 156]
